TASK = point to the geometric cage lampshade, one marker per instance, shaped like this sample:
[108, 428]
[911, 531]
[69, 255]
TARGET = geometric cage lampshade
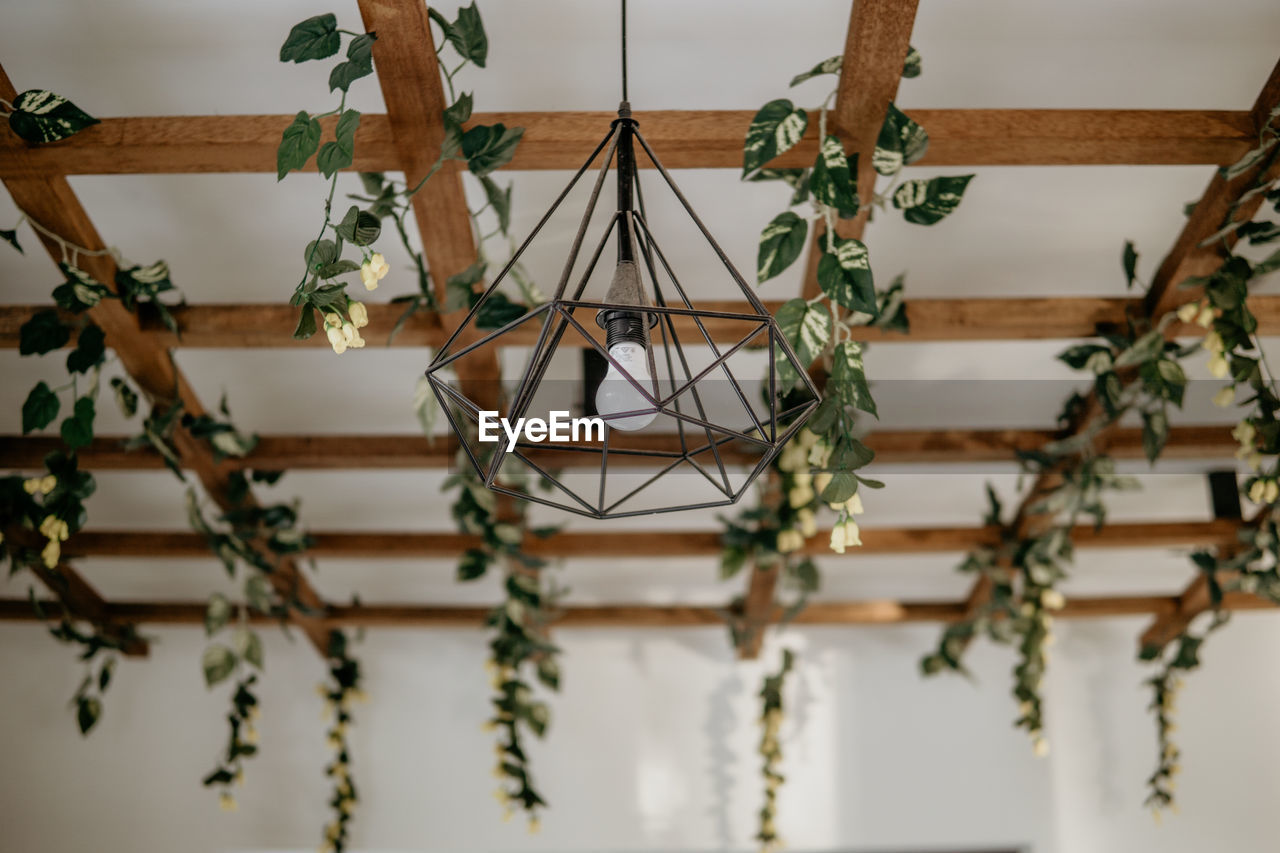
[695, 402]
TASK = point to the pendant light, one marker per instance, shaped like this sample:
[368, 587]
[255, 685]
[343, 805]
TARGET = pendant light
[682, 429]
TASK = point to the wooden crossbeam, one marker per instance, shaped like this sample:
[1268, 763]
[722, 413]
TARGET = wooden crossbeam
[51, 202]
[253, 326]
[874, 612]
[398, 452]
[687, 139]
[401, 544]
[1220, 202]
[83, 602]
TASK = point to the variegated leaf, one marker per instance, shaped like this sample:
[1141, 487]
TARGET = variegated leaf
[776, 127]
[849, 379]
[781, 243]
[42, 116]
[834, 178]
[845, 276]
[808, 329]
[893, 307]
[926, 202]
[901, 143]
[913, 64]
[152, 273]
[826, 66]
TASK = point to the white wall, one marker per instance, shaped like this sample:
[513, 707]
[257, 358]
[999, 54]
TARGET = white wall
[652, 748]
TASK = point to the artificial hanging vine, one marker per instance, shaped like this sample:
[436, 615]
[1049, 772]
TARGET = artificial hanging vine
[771, 708]
[339, 693]
[1236, 356]
[483, 148]
[819, 469]
[521, 649]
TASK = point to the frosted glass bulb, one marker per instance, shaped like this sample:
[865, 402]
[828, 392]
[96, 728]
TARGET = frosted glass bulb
[616, 394]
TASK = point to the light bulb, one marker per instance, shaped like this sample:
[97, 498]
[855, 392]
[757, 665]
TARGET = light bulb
[617, 394]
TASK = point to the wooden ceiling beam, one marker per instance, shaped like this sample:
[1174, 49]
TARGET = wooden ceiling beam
[875, 612]
[399, 452]
[687, 139]
[254, 326]
[403, 544]
[1220, 202]
[51, 202]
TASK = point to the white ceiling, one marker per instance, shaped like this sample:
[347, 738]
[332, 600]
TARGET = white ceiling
[1021, 231]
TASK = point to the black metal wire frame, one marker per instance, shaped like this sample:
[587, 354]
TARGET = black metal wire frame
[557, 316]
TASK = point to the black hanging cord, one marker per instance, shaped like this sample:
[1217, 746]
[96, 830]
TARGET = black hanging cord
[624, 51]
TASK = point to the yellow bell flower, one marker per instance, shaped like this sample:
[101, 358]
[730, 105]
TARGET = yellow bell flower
[359, 314]
[1206, 317]
[790, 540]
[1271, 493]
[1040, 747]
[852, 536]
[352, 336]
[1189, 312]
[1257, 490]
[374, 270]
[51, 553]
[227, 802]
[853, 506]
[1225, 397]
[821, 481]
[534, 825]
[1051, 599]
[1213, 343]
[336, 339]
[808, 523]
[800, 496]
[1219, 367]
[837, 539]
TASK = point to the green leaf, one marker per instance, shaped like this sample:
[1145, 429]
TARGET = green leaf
[359, 227]
[777, 127]
[845, 276]
[913, 64]
[497, 311]
[1078, 356]
[490, 147]
[1145, 348]
[11, 237]
[808, 329]
[901, 143]
[834, 179]
[44, 332]
[88, 711]
[359, 63]
[249, 646]
[257, 591]
[474, 564]
[459, 288]
[1130, 261]
[849, 379]
[306, 323]
[89, 352]
[40, 409]
[826, 66]
[126, 397]
[843, 486]
[77, 430]
[217, 662]
[467, 34]
[298, 142]
[549, 672]
[925, 202]
[781, 243]
[1155, 432]
[41, 116]
[216, 614]
[891, 306]
[338, 155]
[458, 113]
[499, 200]
[314, 38]
[80, 291]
